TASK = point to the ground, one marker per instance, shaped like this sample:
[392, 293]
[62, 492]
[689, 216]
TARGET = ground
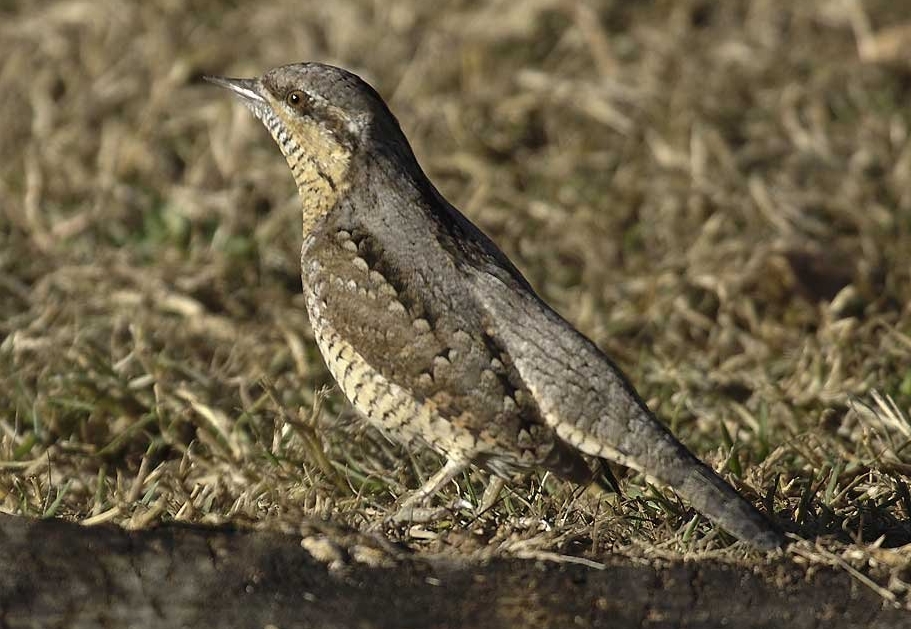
[717, 193]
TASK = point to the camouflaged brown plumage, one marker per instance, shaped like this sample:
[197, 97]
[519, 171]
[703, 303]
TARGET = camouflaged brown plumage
[431, 332]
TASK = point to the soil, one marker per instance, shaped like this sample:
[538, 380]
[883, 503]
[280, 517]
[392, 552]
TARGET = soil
[58, 574]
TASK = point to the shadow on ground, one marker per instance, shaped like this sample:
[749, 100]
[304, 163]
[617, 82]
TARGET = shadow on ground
[61, 574]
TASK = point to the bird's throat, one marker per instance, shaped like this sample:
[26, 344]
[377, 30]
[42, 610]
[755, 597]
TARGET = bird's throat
[319, 188]
[319, 165]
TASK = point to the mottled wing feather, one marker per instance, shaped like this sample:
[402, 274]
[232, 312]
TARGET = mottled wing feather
[421, 346]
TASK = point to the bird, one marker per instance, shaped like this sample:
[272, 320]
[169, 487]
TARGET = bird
[432, 333]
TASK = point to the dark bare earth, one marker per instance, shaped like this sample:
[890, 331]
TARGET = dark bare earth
[717, 193]
[185, 576]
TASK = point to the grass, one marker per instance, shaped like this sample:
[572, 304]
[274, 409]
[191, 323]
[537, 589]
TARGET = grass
[717, 193]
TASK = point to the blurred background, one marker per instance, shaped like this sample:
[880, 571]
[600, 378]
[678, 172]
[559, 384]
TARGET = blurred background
[717, 193]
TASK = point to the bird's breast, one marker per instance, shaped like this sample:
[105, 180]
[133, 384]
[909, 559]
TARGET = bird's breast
[356, 315]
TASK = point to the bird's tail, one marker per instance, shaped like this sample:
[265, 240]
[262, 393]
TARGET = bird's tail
[708, 493]
[591, 406]
[657, 453]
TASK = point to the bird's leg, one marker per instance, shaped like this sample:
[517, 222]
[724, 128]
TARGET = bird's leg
[491, 494]
[409, 510]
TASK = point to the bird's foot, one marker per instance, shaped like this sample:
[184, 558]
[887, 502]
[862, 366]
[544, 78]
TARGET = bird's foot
[491, 494]
[413, 510]
[419, 515]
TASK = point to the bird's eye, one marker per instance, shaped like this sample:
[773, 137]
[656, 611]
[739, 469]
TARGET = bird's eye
[296, 99]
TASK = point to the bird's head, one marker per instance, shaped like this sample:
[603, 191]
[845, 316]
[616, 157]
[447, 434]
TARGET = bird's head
[319, 115]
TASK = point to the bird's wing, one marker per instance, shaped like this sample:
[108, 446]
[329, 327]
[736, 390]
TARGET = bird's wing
[590, 404]
[470, 401]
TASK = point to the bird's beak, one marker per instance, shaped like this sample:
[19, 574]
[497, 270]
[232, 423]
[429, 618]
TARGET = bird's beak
[249, 91]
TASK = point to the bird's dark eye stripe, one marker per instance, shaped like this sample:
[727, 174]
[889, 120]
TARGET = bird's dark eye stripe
[339, 128]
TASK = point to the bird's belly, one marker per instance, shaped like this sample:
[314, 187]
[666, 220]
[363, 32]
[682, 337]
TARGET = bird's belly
[387, 406]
